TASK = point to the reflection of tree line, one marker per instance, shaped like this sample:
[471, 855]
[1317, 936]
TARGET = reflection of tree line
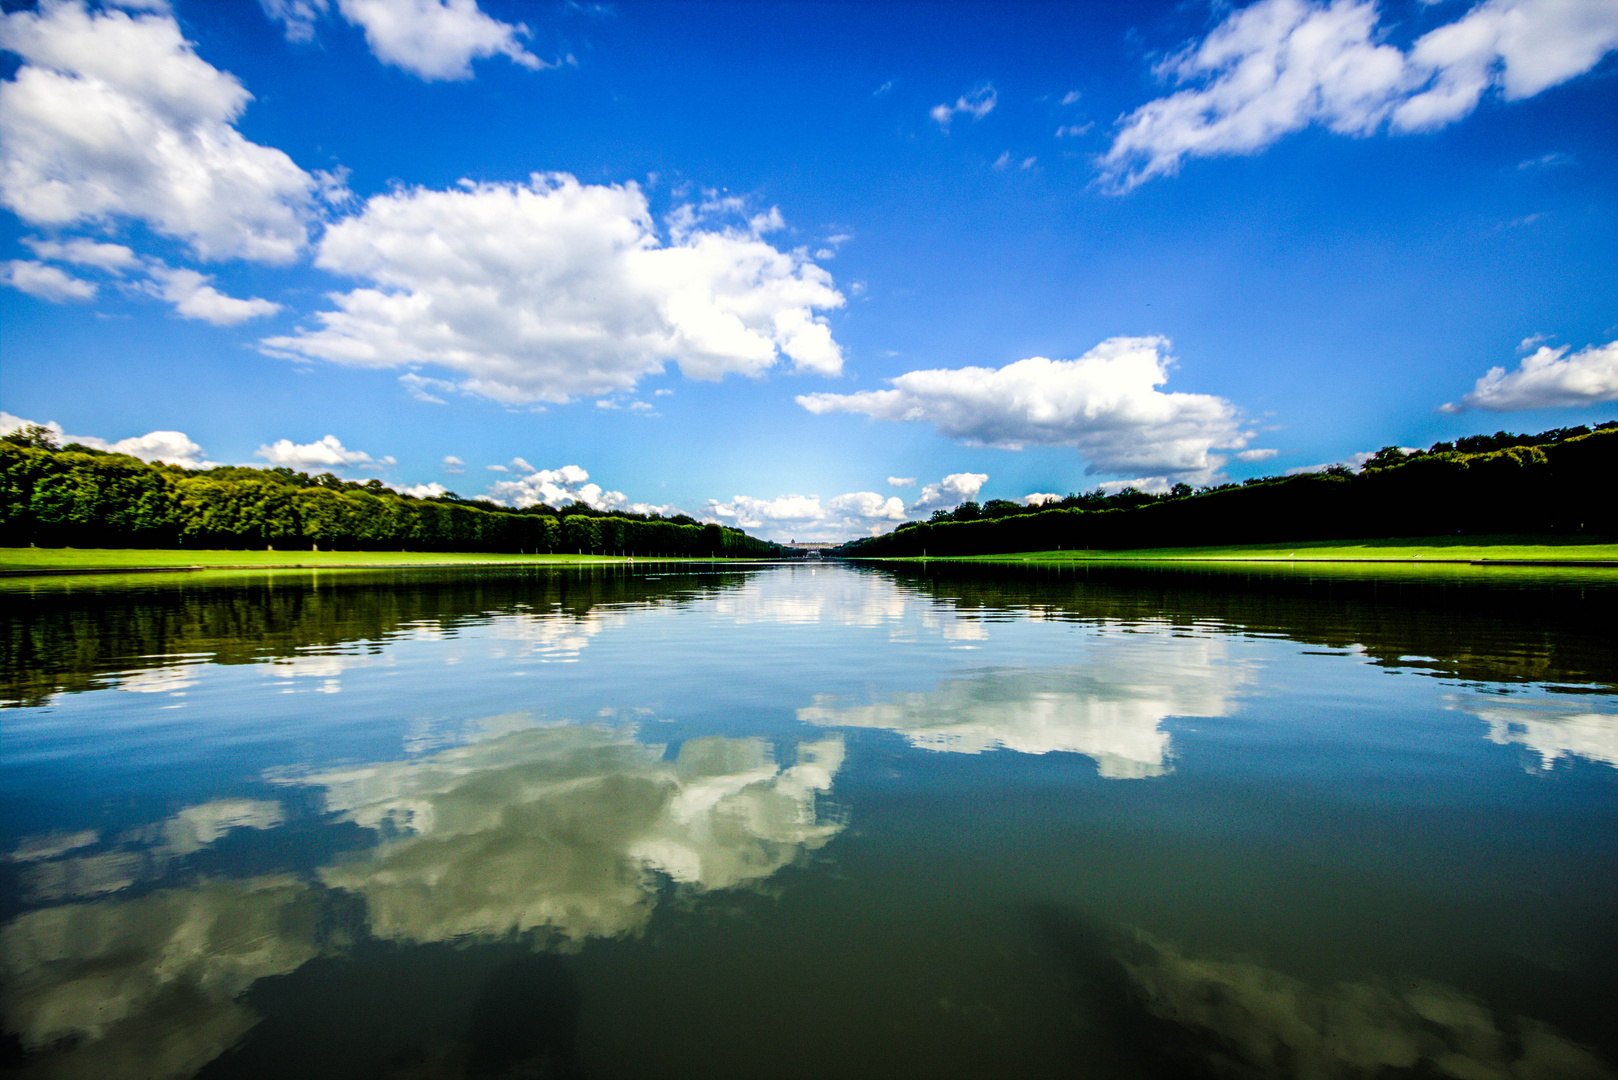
[70, 636]
[1159, 1011]
[1477, 629]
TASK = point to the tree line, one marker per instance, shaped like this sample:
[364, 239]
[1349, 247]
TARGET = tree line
[1552, 482]
[76, 496]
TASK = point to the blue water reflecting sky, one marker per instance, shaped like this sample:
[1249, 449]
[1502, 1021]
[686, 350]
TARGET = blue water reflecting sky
[711, 773]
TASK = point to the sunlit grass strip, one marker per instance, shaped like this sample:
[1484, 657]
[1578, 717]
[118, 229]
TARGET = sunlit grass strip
[41, 559]
[1395, 549]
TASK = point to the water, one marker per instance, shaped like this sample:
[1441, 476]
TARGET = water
[811, 820]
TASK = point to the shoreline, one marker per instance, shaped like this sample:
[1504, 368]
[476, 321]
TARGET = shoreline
[11, 569]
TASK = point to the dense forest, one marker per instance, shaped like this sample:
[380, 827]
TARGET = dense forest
[75, 496]
[1558, 482]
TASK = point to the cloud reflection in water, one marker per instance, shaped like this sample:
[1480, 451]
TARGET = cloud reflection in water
[564, 827]
[1551, 729]
[1108, 708]
[560, 830]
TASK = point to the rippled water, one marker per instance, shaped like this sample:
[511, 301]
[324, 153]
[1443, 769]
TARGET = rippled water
[811, 820]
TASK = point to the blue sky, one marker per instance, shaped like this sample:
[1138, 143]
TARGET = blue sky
[808, 269]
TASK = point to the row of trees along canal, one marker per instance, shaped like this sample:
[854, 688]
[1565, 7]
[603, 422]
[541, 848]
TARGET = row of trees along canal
[1557, 482]
[80, 497]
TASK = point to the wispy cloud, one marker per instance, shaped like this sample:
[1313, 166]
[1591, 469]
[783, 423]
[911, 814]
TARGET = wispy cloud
[977, 104]
[1278, 66]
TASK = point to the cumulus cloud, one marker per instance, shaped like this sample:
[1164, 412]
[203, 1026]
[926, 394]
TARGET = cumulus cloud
[1278, 66]
[169, 447]
[194, 298]
[901, 481]
[554, 289]
[807, 518]
[977, 104]
[453, 464]
[1547, 379]
[114, 115]
[1105, 404]
[424, 491]
[326, 453]
[559, 487]
[953, 490]
[46, 282]
[435, 39]
[869, 505]
[1040, 498]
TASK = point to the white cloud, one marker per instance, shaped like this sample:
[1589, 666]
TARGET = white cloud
[113, 115]
[978, 104]
[869, 505]
[1546, 380]
[298, 17]
[1520, 47]
[423, 491]
[1261, 454]
[453, 464]
[1071, 97]
[556, 289]
[1278, 66]
[1546, 161]
[901, 481]
[806, 518]
[80, 251]
[328, 452]
[171, 447]
[953, 490]
[46, 282]
[559, 487]
[435, 39]
[194, 298]
[1040, 498]
[420, 387]
[1105, 404]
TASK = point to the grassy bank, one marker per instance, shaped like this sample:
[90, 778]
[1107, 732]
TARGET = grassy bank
[1393, 549]
[113, 559]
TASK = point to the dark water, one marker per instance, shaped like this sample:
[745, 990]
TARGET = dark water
[811, 821]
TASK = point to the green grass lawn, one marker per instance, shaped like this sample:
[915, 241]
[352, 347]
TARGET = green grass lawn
[1394, 549]
[111, 559]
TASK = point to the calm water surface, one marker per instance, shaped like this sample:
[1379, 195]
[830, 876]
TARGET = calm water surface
[810, 820]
